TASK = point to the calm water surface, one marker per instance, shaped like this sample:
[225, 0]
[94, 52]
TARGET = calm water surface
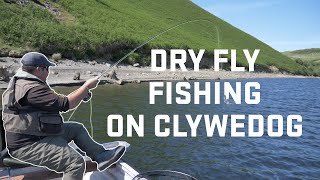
[216, 157]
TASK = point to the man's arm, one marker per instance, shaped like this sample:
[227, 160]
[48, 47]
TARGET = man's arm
[77, 96]
[46, 99]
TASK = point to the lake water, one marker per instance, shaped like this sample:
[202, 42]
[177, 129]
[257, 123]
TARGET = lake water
[215, 157]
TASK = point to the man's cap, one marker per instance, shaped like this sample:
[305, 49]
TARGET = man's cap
[36, 59]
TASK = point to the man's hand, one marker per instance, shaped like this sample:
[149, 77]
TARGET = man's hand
[78, 95]
[92, 83]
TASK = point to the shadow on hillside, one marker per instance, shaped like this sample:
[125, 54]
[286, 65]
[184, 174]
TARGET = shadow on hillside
[107, 5]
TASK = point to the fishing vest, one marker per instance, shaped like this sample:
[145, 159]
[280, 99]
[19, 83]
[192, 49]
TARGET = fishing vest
[27, 119]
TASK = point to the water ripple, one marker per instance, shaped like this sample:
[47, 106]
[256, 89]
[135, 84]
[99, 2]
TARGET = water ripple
[219, 157]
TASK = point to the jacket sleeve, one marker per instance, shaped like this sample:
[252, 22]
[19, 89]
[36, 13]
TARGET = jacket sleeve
[46, 99]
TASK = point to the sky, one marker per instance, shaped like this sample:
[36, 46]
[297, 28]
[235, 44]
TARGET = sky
[285, 25]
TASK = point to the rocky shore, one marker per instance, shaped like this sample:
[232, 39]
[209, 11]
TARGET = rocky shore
[66, 71]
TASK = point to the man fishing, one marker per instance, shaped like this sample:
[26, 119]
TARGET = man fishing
[35, 131]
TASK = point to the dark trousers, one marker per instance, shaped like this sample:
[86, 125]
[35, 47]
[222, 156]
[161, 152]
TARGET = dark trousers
[54, 152]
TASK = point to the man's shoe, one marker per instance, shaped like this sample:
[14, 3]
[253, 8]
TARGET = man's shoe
[109, 157]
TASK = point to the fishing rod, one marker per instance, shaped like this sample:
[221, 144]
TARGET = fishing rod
[89, 95]
[152, 38]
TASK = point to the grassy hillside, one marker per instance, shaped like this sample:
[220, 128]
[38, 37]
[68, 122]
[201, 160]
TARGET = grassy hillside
[312, 54]
[110, 29]
[309, 58]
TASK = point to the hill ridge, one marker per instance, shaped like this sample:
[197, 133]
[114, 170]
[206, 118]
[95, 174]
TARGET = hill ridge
[110, 29]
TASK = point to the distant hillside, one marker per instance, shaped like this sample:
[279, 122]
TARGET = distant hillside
[110, 29]
[309, 58]
[312, 54]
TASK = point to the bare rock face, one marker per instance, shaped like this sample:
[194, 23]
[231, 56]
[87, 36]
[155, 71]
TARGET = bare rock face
[10, 1]
[56, 57]
[76, 76]
[92, 63]
[4, 52]
[89, 72]
[274, 69]
[5, 74]
[21, 2]
[120, 82]
[15, 54]
[54, 72]
[113, 75]
[184, 78]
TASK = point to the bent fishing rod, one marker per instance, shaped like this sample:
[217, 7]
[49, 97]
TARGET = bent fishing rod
[152, 38]
[89, 95]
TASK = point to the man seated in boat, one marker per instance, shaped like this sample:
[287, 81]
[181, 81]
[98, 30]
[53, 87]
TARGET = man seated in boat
[35, 131]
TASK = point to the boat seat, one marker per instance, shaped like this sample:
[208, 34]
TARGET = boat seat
[13, 163]
[7, 161]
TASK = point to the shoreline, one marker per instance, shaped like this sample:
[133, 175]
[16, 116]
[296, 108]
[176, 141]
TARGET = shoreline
[63, 73]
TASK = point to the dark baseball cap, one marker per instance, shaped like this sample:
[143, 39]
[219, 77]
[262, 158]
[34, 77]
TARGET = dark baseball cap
[36, 59]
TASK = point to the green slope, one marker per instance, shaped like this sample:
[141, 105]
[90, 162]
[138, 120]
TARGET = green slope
[310, 58]
[95, 28]
[312, 54]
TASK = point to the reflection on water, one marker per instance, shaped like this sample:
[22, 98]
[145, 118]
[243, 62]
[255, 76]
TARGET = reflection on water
[215, 157]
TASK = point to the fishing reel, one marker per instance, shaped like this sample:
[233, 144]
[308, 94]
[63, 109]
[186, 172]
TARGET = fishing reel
[88, 97]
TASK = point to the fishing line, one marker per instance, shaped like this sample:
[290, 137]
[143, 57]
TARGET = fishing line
[90, 117]
[138, 47]
[91, 125]
[72, 114]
